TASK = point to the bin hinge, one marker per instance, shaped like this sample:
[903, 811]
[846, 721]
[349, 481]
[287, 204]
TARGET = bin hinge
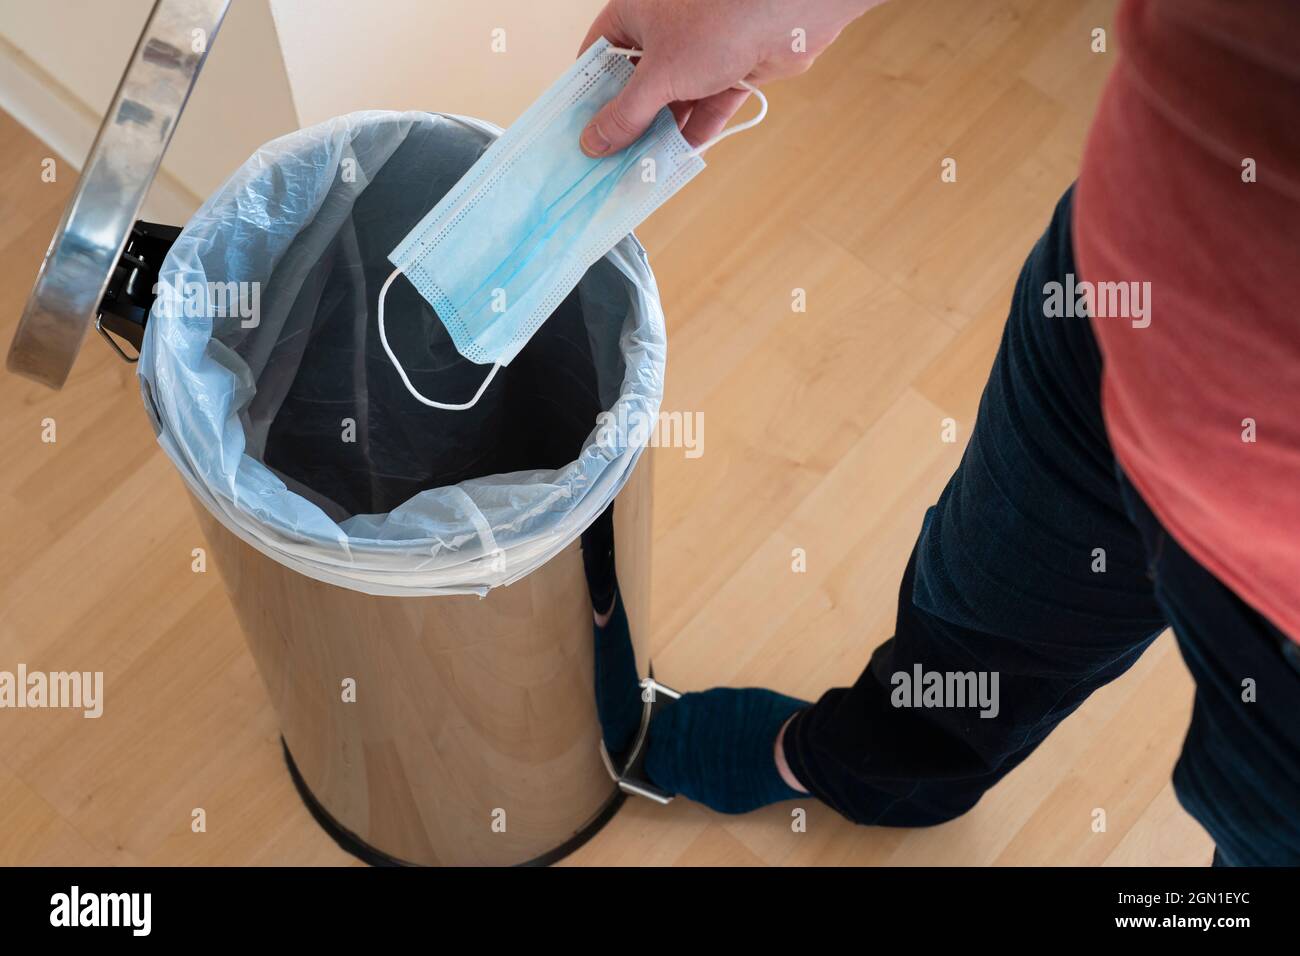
[132, 288]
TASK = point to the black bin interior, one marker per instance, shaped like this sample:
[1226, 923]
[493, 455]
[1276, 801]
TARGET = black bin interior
[535, 415]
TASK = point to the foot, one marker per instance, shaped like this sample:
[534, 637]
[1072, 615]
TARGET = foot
[717, 748]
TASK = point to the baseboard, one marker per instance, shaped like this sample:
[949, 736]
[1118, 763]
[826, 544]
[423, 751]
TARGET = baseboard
[61, 120]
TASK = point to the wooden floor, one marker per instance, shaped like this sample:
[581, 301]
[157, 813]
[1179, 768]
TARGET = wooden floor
[822, 433]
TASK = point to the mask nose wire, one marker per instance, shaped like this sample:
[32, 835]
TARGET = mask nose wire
[383, 339]
[738, 128]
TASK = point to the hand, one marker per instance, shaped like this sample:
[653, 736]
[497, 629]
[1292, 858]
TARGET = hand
[696, 51]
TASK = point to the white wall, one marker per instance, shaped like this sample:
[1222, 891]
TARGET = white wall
[436, 55]
[81, 43]
[60, 62]
[280, 64]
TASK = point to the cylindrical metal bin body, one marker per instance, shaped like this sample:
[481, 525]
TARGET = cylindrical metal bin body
[473, 737]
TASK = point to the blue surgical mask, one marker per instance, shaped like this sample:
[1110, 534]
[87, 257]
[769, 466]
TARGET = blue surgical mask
[500, 252]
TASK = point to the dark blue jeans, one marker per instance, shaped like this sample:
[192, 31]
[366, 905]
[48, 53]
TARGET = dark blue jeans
[1006, 577]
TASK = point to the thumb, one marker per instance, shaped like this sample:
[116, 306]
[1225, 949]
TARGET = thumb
[624, 118]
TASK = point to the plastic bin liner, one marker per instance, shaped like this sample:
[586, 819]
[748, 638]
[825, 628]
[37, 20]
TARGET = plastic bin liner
[291, 426]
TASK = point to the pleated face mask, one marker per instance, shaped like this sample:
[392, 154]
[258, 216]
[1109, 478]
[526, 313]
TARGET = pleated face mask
[500, 252]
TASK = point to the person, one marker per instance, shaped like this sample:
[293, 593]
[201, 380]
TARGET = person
[1134, 465]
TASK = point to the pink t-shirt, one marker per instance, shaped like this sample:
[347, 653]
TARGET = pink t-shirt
[1191, 183]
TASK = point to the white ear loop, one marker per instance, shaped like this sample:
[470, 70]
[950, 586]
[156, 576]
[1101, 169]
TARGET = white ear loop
[738, 128]
[383, 338]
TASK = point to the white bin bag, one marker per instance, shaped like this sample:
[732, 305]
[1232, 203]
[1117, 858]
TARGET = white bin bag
[263, 373]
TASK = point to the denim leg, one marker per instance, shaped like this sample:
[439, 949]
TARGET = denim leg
[1005, 579]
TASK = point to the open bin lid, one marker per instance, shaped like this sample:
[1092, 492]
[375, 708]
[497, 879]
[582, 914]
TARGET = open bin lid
[98, 220]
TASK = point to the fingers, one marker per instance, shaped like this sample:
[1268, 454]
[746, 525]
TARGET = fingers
[681, 112]
[607, 25]
[626, 117]
[710, 115]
